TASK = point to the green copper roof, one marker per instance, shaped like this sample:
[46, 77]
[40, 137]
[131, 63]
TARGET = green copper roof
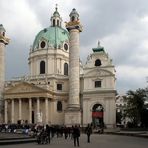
[56, 13]
[99, 48]
[55, 36]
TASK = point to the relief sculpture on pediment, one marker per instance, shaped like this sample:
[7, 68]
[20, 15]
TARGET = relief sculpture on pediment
[22, 89]
[99, 73]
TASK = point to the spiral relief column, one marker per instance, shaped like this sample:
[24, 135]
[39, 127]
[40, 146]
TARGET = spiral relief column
[73, 113]
[3, 42]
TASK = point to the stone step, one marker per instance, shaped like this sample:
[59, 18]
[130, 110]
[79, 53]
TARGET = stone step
[17, 141]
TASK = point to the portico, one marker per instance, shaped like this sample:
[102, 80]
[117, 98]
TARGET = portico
[28, 105]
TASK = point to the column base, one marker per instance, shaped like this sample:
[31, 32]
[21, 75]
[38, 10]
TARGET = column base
[72, 116]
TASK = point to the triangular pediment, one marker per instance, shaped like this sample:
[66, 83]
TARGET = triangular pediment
[98, 73]
[24, 87]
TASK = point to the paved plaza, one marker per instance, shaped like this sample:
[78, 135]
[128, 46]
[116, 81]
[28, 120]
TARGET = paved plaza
[97, 141]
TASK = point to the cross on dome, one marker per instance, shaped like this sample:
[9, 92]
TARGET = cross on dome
[56, 7]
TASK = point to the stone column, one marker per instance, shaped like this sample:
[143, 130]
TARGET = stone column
[74, 88]
[20, 109]
[46, 110]
[6, 111]
[38, 105]
[3, 42]
[38, 110]
[73, 112]
[12, 110]
[30, 110]
[2, 77]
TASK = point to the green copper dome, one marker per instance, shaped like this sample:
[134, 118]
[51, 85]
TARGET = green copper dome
[54, 36]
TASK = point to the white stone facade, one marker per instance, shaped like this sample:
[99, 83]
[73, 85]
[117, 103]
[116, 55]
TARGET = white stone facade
[105, 94]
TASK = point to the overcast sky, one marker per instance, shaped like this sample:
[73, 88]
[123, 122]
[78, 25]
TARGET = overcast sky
[120, 25]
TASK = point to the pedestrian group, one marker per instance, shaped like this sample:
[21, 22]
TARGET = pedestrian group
[46, 133]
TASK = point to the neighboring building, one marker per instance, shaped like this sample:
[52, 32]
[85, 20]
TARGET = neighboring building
[120, 108]
[121, 105]
[59, 89]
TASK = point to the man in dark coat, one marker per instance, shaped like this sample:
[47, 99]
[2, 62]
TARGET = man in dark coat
[76, 135]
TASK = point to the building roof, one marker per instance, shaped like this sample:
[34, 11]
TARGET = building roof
[99, 48]
[54, 35]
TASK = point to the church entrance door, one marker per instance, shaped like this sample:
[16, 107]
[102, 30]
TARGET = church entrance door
[97, 116]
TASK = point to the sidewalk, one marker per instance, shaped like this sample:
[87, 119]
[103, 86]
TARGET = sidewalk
[143, 134]
[10, 138]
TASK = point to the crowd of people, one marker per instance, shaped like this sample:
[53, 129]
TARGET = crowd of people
[44, 133]
[12, 128]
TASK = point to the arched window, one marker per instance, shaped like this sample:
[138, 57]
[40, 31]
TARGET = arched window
[42, 67]
[66, 69]
[53, 22]
[97, 107]
[43, 44]
[59, 106]
[98, 62]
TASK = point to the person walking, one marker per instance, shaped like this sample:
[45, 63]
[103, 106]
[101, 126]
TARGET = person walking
[48, 129]
[88, 131]
[76, 135]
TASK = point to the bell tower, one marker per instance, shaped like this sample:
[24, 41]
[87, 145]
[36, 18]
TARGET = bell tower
[73, 112]
[3, 42]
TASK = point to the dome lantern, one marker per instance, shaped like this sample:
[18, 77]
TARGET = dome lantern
[3, 39]
[56, 20]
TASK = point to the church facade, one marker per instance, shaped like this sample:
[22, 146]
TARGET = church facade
[59, 88]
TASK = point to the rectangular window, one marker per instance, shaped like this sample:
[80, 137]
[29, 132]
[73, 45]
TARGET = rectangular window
[59, 86]
[97, 84]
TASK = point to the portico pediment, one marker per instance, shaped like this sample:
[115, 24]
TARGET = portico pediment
[24, 87]
[98, 73]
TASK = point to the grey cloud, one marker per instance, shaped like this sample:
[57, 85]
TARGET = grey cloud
[101, 19]
[128, 83]
[16, 59]
[106, 17]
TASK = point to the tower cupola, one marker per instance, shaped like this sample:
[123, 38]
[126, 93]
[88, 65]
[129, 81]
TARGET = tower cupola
[74, 16]
[3, 39]
[2, 30]
[56, 20]
[74, 22]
